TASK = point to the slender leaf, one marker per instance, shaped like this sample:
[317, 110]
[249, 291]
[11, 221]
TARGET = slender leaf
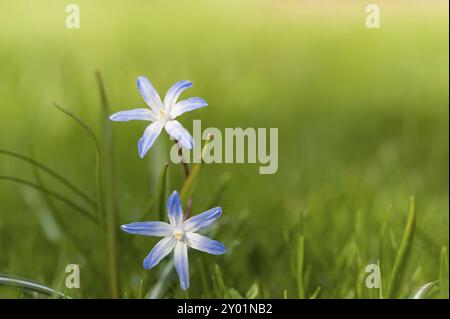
[422, 291]
[316, 293]
[253, 292]
[83, 124]
[60, 197]
[107, 190]
[61, 179]
[234, 294]
[403, 253]
[300, 266]
[444, 272]
[26, 284]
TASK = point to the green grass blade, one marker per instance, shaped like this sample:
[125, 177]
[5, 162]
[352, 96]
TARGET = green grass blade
[403, 253]
[26, 284]
[67, 231]
[252, 292]
[300, 266]
[98, 152]
[163, 281]
[60, 197]
[234, 294]
[82, 123]
[316, 293]
[220, 288]
[380, 291]
[61, 179]
[108, 191]
[422, 291]
[444, 272]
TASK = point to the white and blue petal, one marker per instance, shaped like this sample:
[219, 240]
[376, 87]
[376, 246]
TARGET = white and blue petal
[187, 105]
[136, 114]
[205, 244]
[161, 250]
[150, 134]
[174, 92]
[202, 220]
[149, 94]
[182, 264]
[179, 133]
[148, 228]
[175, 210]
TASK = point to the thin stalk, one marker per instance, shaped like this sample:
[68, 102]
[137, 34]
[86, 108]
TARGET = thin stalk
[187, 210]
[403, 253]
[183, 162]
[107, 179]
[82, 124]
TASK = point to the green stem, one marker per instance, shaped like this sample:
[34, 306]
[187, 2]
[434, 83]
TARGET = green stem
[188, 205]
[27, 284]
[403, 253]
[107, 179]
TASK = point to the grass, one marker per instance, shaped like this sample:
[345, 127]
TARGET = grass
[363, 126]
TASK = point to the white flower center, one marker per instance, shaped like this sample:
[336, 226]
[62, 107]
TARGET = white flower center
[178, 234]
[163, 116]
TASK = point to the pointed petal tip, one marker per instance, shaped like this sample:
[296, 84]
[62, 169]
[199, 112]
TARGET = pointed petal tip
[149, 264]
[224, 250]
[141, 152]
[184, 286]
[146, 264]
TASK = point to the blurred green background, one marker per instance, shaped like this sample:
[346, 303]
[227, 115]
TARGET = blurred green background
[363, 125]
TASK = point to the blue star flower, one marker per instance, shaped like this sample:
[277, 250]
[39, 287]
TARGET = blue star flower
[178, 236]
[161, 114]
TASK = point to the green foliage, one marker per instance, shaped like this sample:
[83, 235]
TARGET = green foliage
[363, 124]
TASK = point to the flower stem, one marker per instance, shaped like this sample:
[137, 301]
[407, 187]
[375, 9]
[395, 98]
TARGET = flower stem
[186, 170]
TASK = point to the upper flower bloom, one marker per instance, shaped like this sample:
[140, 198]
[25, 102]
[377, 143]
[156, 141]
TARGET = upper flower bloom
[178, 235]
[161, 114]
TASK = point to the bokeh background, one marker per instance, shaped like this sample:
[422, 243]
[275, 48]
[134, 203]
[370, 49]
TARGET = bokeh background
[363, 125]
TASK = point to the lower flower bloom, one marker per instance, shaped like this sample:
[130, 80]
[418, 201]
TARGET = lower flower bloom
[178, 236]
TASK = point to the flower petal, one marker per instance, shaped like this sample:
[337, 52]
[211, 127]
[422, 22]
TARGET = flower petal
[161, 250]
[182, 264]
[187, 105]
[179, 133]
[149, 94]
[136, 114]
[148, 228]
[175, 210]
[205, 244]
[150, 134]
[174, 92]
[202, 220]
